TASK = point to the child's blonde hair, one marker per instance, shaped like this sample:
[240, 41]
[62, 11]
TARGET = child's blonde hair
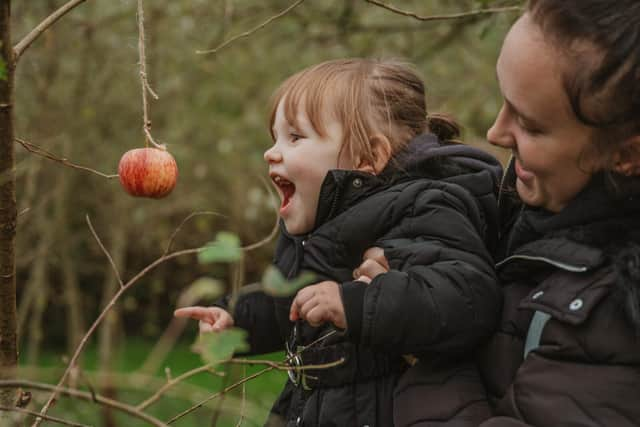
[368, 97]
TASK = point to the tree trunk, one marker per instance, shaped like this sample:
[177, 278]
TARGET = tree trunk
[108, 332]
[8, 215]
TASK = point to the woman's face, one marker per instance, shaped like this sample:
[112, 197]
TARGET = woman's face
[554, 153]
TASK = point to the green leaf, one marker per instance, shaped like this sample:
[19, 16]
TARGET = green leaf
[217, 347]
[274, 283]
[202, 288]
[226, 248]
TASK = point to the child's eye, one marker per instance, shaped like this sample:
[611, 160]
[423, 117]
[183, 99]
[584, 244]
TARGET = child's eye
[295, 136]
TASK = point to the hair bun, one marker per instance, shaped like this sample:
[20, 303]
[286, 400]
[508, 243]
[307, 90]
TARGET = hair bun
[444, 127]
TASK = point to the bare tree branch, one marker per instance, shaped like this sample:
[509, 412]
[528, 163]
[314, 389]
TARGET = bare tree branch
[461, 15]
[253, 30]
[105, 401]
[105, 251]
[184, 221]
[220, 393]
[244, 398]
[271, 367]
[46, 417]
[276, 224]
[170, 383]
[23, 44]
[100, 318]
[32, 148]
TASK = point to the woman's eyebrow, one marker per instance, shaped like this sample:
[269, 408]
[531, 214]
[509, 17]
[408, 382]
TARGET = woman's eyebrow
[522, 115]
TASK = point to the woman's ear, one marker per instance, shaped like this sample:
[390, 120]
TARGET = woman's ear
[627, 158]
[381, 149]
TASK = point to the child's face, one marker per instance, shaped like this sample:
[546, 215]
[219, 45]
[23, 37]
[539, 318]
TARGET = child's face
[298, 163]
[552, 148]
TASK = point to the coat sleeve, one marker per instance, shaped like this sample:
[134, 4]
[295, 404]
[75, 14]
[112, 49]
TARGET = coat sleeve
[504, 422]
[256, 313]
[441, 294]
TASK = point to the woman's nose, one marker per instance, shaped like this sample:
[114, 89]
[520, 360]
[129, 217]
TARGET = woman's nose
[499, 133]
[273, 155]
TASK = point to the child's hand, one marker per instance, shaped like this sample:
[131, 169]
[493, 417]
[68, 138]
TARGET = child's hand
[212, 319]
[374, 263]
[318, 304]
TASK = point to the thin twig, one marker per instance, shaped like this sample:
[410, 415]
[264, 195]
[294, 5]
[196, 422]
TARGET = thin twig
[142, 406]
[104, 401]
[23, 44]
[250, 377]
[32, 148]
[276, 225]
[103, 314]
[105, 251]
[92, 390]
[244, 398]
[220, 393]
[46, 417]
[184, 221]
[253, 30]
[279, 366]
[143, 80]
[461, 15]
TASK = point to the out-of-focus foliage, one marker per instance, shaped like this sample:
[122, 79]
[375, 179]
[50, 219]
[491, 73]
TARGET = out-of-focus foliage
[78, 96]
[225, 248]
[274, 283]
[216, 348]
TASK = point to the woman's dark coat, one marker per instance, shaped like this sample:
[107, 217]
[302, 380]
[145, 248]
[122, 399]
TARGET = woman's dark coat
[579, 268]
[432, 211]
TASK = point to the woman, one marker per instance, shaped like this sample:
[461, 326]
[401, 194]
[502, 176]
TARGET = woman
[567, 351]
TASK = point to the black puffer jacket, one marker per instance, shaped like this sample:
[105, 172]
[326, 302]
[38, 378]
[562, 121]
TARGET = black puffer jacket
[432, 211]
[579, 271]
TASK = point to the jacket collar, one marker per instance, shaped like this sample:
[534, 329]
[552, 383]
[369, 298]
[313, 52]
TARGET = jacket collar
[578, 238]
[424, 157]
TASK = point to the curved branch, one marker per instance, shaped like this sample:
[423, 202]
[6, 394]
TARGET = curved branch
[46, 417]
[32, 148]
[253, 30]
[170, 383]
[72, 362]
[105, 251]
[23, 44]
[105, 401]
[461, 15]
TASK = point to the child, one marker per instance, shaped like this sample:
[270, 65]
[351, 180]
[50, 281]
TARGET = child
[357, 164]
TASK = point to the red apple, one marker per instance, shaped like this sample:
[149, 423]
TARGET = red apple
[148, 172]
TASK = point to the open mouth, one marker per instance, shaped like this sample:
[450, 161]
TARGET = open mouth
[287, 189]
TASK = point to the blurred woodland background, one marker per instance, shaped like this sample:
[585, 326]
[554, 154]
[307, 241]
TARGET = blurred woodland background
[77, 96]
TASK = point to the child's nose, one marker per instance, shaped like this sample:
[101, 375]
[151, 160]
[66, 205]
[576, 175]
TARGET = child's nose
[272, 155]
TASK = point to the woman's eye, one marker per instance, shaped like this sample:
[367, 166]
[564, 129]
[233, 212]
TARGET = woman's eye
[295, 136]
[531, 130]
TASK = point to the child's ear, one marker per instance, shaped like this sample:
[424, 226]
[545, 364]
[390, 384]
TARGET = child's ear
[381, 148]
[627, 157]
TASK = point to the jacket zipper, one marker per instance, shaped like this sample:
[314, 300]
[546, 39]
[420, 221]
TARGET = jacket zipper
[558, 264]
[334, 202]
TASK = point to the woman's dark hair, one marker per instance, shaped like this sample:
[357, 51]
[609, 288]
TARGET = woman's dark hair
[603, 39]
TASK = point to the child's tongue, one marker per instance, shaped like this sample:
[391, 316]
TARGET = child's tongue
[287, 192]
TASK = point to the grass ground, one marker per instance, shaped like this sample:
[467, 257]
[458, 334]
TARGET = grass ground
[131, 387]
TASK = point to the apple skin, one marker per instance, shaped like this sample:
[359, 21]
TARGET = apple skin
[148, 172]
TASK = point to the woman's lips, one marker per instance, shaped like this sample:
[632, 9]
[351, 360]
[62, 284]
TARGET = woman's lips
[523, 174]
